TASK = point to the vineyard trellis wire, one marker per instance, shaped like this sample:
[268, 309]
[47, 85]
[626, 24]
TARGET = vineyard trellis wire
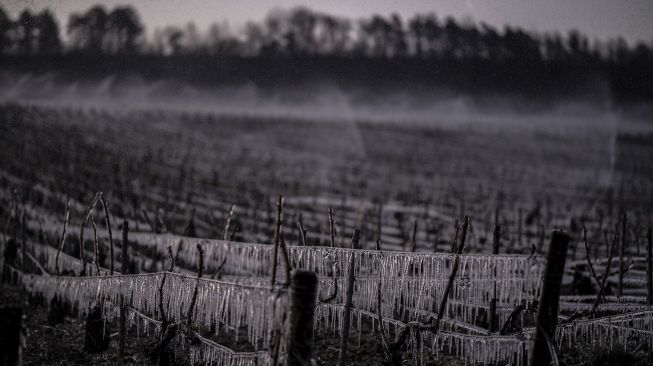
[457, 336]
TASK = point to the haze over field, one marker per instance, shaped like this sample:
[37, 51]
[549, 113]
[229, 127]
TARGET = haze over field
[420, 182]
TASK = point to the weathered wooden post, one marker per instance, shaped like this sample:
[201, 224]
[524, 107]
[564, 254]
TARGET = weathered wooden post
[11, 341]
[344, 334]
[125, 270]
[303, 293]
[547, 312]
[649, 276]
[493, 302]
[649, 266]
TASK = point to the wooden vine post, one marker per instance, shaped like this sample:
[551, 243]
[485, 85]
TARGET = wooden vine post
[125, 270]
[622, 249]
[12, 335]
[303, 293]
[547, 312]
[649, 266]
[344, 332]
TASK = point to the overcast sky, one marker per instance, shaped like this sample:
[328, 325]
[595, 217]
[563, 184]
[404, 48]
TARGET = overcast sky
[603, 19]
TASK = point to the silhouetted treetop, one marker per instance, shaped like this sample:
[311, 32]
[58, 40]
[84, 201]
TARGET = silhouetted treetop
[97, 31]
[423, 48]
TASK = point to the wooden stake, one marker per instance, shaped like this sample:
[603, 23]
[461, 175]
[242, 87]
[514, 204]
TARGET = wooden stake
[649, 266]
[12, 335]
[303, 292]
[547, 312]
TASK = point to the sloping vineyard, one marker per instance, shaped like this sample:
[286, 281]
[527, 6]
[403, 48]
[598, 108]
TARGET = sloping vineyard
[398, 292]
[194, 250]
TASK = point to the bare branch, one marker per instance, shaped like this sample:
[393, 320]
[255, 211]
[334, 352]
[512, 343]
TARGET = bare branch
[605, 277]
[162, 314]
[302, 233]
[189, 230]
[332, 228]
[334, 293]
[218, 272]
[507, 325]
[63, 237]
[381, 328]
[149, 222]
[378, 227]
[95, 246]
[589, 261]
[413, 241]
[173, 259]
[286, 261]
[225, 233]
[107, 221]
[452, 277]
[81, 233]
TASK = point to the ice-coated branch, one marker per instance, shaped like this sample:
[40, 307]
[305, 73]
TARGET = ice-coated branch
[391, 350]
[162, 314]
[452, 277]
[218, 273]
[334, 293]
[193, 299]
[332, 228]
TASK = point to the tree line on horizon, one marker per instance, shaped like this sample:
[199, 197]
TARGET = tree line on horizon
[301, 33]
